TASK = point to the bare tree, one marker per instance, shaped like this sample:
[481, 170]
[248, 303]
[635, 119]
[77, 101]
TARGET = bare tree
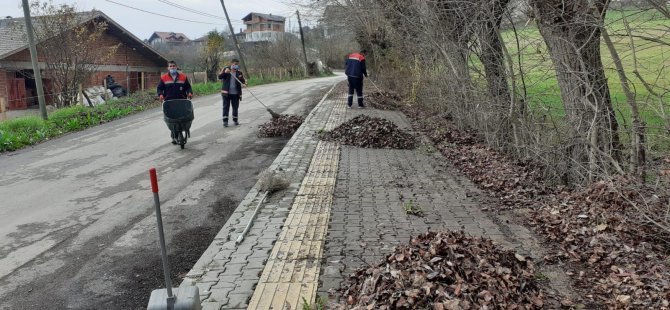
[284, 53]
[72, 45]
[637, 159]
[571, 31]
[186, 55]
[211, 54]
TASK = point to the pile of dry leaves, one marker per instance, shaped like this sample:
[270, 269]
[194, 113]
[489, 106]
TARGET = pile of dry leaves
[283, 126]
[384, 100]
[605, 229]
[371, 132]
[446, 270]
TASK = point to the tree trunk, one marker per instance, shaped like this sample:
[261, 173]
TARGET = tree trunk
[492, 58]
[572, 34]
[492, 50]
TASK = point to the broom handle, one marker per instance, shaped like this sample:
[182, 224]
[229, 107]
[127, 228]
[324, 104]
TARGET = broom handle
[251, 221]
[375, 85]
[236, 79]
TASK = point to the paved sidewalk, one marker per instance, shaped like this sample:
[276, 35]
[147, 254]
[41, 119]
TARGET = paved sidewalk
[228, 273]
[345, 208]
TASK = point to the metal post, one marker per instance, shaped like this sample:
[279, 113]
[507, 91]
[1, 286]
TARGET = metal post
[80, 94]
[3, 115]
[127, 79]
[161, 236]
[302, 38]
[104, 84]
[237, 45]
[33, 59]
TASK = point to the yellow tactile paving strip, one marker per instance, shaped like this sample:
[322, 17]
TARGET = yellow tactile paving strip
[291, 273]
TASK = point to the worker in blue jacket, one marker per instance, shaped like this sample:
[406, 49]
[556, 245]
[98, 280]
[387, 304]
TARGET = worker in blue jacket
[231, 90]
[355, 71]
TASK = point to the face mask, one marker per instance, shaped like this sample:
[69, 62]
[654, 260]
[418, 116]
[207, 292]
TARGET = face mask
[173, 71]
[235, 67]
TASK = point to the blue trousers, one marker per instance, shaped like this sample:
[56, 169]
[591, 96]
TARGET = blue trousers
[357, 85]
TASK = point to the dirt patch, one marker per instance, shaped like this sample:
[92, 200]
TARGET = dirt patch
[184, 251]
[370, 132]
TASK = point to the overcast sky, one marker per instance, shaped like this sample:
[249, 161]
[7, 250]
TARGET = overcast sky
[143, 24]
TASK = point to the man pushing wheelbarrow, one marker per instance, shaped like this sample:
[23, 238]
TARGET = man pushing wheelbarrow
[174, 91]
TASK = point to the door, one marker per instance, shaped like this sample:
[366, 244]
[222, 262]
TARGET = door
[48, 88]
[17, 94]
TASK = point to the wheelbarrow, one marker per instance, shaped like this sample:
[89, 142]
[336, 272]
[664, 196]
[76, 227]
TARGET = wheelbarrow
[178, 116]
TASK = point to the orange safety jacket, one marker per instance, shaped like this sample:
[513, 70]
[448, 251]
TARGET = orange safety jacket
[174, 88]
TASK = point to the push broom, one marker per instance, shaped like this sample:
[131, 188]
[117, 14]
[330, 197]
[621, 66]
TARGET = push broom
[273, 113]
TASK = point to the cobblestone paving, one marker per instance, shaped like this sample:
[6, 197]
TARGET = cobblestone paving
[226, 273]
[374, 186]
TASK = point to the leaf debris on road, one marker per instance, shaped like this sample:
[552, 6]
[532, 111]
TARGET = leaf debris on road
[283, 126]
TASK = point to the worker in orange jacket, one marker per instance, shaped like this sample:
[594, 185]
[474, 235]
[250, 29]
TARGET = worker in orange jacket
[355, 71]
[174, 85]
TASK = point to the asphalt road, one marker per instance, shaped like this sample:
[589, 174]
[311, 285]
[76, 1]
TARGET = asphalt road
[77, 227]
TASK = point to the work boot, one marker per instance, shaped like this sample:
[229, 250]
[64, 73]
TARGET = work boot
[225, 124]
[174, 139]
[237, 123]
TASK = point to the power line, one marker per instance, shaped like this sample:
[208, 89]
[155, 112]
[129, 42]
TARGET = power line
[141, 10]
[191, 10]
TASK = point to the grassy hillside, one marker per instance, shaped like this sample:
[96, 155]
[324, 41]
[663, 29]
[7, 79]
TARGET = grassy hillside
[651, 59]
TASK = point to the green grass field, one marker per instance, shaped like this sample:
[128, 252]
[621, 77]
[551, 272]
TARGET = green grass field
[652, 62]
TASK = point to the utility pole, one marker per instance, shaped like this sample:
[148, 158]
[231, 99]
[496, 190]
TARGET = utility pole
[302, 38]
[232, 32]
[33, 60]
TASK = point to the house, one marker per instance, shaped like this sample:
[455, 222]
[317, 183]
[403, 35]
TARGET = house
[199, 42]
[263, 27]
[158, 38]
[241, 36]
[134, 65]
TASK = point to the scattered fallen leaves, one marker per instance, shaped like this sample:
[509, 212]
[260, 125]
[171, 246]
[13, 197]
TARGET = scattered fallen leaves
[283, 126]
[617, 257]
[371, 132]
[622, 255]
[384, 100]
[514, 183]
